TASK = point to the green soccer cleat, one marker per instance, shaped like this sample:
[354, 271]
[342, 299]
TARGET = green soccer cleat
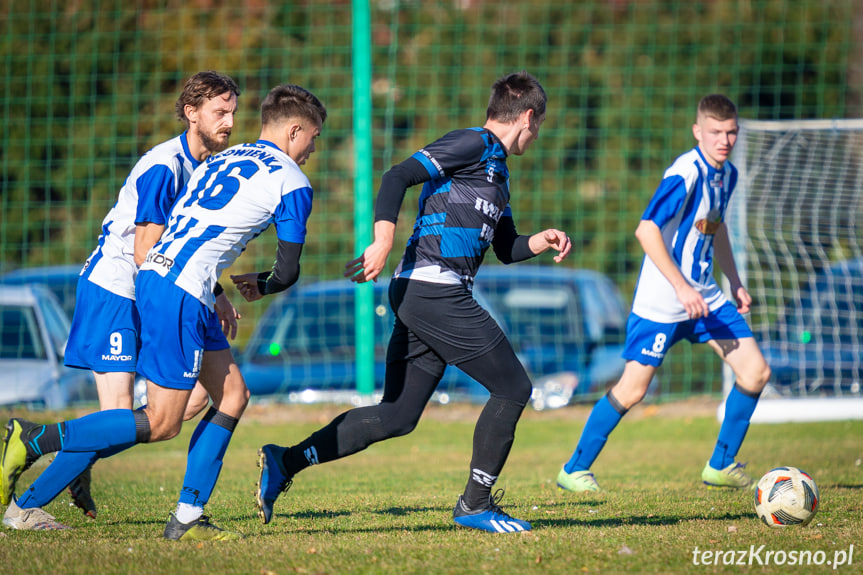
[577, 481]
[198, 530]
[32, 519]
[14, 459]
[732, 476]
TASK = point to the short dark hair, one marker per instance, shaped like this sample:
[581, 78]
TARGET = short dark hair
[718, 107]
[291, 101]
[513, 95]
[202, 87]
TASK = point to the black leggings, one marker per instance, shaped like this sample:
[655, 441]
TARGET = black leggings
[408, 390]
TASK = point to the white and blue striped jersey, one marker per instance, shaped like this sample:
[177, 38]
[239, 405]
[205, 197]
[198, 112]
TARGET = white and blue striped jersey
[146, 197]
[230, 200]
[688, 207]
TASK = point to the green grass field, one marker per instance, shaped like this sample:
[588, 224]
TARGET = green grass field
[388, 509]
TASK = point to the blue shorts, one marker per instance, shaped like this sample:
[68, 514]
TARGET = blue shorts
[647, 341]
[176, 330]
[105, 331]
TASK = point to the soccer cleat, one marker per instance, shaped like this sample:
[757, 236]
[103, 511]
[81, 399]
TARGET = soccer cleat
[273, 480]
[577, 481]
[490, 518]
[732, 476]
[79, 489]
[32, 519]
[198, 530]
[14, 459]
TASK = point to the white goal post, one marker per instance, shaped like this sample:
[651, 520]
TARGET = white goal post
[796, 228]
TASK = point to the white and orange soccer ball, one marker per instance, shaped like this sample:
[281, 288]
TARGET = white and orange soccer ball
[786, 496]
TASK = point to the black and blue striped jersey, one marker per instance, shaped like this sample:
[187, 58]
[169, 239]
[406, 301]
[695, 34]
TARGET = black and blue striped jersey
[463, 199]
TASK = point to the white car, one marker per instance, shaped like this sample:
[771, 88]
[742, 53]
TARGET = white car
[33, 333]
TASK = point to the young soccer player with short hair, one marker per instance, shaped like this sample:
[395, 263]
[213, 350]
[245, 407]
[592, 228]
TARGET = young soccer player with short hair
[104, 335]
[678, 298]
[464, 209]
[228, 201]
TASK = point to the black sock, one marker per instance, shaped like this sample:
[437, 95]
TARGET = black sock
[347, 434]
[41, 439]
[492, 441]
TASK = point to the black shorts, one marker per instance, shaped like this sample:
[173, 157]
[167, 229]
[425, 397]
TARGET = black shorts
[438, 324]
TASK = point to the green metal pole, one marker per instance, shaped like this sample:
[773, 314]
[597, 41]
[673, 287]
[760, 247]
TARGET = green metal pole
[364, 307]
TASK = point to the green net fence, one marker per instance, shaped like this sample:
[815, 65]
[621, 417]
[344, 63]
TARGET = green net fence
[88, 86]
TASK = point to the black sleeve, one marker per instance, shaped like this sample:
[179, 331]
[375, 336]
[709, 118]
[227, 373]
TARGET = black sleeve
[509, 247]
[394, 184]
[445, 156]
[286, 270]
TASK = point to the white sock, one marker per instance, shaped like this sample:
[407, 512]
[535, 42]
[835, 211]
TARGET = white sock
[187, 513]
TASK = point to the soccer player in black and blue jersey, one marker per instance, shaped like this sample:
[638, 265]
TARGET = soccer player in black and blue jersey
[464, 209]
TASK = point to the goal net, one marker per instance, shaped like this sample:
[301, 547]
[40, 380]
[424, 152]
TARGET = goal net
[795, 222]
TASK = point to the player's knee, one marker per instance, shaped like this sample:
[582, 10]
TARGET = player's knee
[518, 392]
[163, 431]
[400, 426]
[516, 387]
[235, 398]
[397, 421]
[758, 380]
[628, 396]
[765, 375]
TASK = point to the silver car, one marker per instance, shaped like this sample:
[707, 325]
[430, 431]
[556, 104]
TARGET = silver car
[33, 333]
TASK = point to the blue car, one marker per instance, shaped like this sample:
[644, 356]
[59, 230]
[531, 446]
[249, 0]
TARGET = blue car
[303, 346]
[568, 325]
[816, 347]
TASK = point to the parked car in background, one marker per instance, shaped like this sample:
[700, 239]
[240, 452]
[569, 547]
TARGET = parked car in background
[303, 346]
[62, 280]
[816, 346]
[568, 326]
[33, 333]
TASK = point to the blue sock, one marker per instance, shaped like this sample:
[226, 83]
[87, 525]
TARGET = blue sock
[85, 440]
[602, 421]
[206, 450]
[100, 430]
[65, 467]
[739, 406]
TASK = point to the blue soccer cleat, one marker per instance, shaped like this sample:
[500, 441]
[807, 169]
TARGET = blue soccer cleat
[490, 518]
[272, 482]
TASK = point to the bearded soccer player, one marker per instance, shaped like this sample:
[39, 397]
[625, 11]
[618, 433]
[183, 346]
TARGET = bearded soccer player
[105, 333]
[227, 202]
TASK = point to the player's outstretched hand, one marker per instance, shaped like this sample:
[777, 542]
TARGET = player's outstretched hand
[553, 239]
[369, 265]
[247, 285]
[228, 315]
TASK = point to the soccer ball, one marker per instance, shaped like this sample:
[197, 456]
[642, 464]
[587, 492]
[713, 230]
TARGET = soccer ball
[786, 496]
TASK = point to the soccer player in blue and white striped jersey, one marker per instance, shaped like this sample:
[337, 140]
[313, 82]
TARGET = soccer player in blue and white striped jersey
[227, 202]
[105, 332]
[682, 231]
